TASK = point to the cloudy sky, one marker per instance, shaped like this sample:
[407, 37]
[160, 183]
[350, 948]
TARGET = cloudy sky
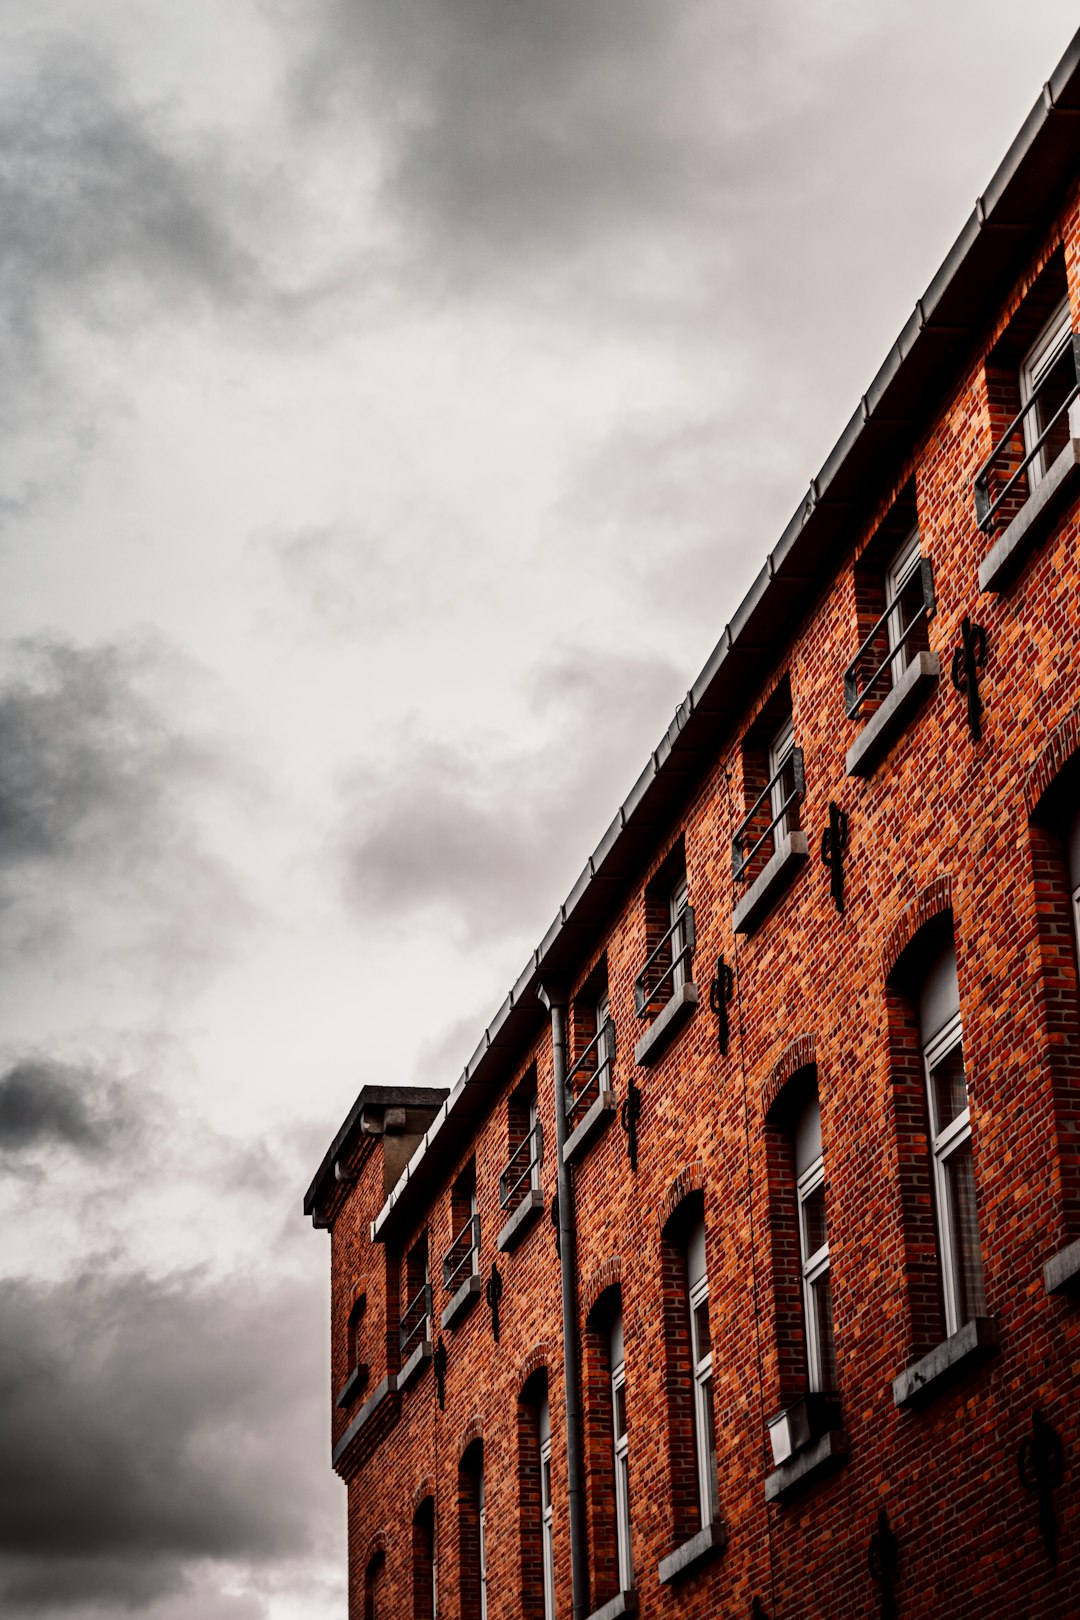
[395, 401]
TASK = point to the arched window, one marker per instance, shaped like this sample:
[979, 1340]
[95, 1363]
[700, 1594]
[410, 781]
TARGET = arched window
[535, 1515]
[472, 1534]
[425, 1576]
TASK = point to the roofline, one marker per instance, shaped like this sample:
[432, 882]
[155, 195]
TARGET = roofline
[369, 1097]
[976, 274]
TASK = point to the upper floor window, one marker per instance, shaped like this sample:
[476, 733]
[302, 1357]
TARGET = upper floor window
[522, 1173]
[416, 1309]
[462, 1259]
[590, 1078]
[1074, 871]
[1047, 388]
[773, 785]
[950, 1142]
[669, 937]
[1032, 391]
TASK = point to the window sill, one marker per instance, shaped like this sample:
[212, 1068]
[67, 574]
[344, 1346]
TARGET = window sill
[972, 1344]
[517, 1224]
[1061, 1273]
[622, 1603]
[463, 1298]
[415, 1364]
[685, 1559]
[887, 721]
[666, 1025]
[388, 1386]
[767, 887]
[593, 1123]
[820, 1457]
[353, 1386]
[1011, 548]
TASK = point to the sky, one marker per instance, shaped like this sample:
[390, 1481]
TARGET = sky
[395, 403]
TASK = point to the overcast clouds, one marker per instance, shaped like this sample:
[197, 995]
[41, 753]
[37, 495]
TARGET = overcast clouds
[395, 401]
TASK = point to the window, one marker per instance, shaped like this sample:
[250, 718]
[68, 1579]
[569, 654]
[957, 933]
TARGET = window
[472, 1534]
[425, 1580]
[589, 1085]
[526, 1145]
[677, 905]
[462, 1259]
[416, 1312]
[483, 1546]
[667, 976]
[547, 1540]
[701, 1367]
[950, 1141]
[616, 1357]
[535, 1517]
[905, 602]
[814, 1249]
[373, 1587]
[1047, 383]
[772, 787]
[782, 777]
[1074, 872]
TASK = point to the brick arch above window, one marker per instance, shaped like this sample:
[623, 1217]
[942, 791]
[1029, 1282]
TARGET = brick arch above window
[799, 1054]
[473, 1430]
[420, 1495]
[690, 1179]
[537, 1360]
[607, 1275]
[934, 901]
[379, 1544]
[1064, 743]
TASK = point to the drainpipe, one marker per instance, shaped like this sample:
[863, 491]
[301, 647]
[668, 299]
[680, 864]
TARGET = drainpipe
[554, 1000]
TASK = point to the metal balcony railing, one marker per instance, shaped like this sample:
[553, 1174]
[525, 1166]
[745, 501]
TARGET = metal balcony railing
[648, 986]
[856, 694]
[986, 510]
[521, 1167]
[741, 857]
[462, 1254]
[416, 1321]
[595, 1065]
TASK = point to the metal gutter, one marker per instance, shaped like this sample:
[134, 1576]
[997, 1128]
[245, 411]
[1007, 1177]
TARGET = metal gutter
[977, 273]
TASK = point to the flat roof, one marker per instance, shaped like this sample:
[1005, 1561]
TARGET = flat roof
[976, 275]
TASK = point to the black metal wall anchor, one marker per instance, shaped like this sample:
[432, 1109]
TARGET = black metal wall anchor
[438, 1361]
[883, 1561]
[493, 1293]
[834, 841]
[720, 993]
[629, 1114]
[968, 663]
[757, 1610]
[555, 1221]
[1040, 1462]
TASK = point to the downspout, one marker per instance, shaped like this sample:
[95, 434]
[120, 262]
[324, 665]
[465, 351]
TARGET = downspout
[554, 1000]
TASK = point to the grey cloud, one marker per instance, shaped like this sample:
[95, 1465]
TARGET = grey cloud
[148, 1425]
[89, 189]
[95, 800]
[438, 828]
[44, 1102]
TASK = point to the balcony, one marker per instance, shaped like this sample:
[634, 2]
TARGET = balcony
[788, 846]
[461, 1272]
[665, 982]
[519, 1189]
[590, 1097]
[896, 679]
[414, 1335]
[1015, 495]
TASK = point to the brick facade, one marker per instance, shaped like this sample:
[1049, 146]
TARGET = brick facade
[948, 839]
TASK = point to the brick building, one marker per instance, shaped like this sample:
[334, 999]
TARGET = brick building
[739, 1273]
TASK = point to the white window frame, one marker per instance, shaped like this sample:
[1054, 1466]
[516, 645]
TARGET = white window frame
[547, 1529]
[678, 901]
[482, 1517]
[902, 568]
[603, 1013]
[1043, 354]
[780, 751]
[702, 1373]
[622, 1480]
[943, 1144]
[434, 1565]
[814, 1267]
